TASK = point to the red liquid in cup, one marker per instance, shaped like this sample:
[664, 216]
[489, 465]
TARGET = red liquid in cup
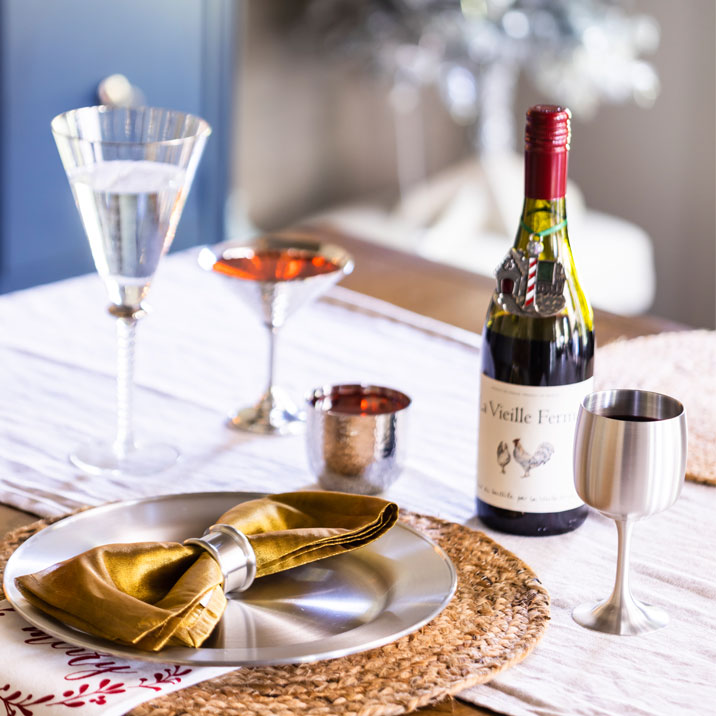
[360, 403]
[275, 265]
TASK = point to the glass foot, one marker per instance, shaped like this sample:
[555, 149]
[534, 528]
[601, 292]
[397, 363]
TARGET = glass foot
[96, 458]
[274, 414]
[627, 619]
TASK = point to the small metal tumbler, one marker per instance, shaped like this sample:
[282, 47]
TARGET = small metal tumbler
[355, 437]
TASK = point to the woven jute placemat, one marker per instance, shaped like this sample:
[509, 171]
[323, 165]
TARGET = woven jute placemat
[498, 614]
[681, 364]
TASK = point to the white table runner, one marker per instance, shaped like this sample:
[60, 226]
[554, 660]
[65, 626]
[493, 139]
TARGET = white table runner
[201, 353]
[43, 676]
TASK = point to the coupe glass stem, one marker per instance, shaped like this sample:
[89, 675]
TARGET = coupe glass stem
[124, 441]
[273, 333]
[621, 595]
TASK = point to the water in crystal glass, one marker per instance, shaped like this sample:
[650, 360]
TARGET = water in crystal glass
[130, 171]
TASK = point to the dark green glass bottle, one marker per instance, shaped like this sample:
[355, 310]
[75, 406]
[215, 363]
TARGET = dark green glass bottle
[537, 354]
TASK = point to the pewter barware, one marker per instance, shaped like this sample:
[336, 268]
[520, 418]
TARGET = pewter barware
[629, 463]
[130, 171]
[275, 300]
[355, 437]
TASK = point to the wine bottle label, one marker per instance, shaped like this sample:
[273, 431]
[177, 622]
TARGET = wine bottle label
[525, 445]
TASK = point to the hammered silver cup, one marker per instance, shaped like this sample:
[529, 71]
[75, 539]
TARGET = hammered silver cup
[629, 463]
[355, 437]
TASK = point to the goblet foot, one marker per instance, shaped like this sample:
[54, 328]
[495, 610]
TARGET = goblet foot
[627, 618]
[99, 457]
[274, 414]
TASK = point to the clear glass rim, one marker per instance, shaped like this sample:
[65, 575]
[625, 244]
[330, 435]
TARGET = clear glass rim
[203, 127]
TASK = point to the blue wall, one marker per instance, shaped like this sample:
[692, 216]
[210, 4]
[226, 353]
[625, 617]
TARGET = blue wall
[52, 57]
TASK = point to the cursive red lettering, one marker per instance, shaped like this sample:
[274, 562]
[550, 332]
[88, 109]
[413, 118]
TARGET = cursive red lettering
[107, 667]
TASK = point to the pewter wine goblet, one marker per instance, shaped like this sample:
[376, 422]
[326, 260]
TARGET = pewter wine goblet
[629, 463]
[275, 275]
[130, 171]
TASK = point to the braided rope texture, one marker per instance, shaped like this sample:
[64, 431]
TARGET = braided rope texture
[499, 613]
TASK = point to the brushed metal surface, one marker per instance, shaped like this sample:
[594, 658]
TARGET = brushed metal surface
[629, 463]
[337, 606]
[630, 468]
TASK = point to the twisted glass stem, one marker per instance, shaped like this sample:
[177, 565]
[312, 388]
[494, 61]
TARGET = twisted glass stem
[126, 330]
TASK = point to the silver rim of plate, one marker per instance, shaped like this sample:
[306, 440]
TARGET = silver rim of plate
[337, 606]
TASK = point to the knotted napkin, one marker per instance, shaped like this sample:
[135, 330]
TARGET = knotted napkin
[153, 594]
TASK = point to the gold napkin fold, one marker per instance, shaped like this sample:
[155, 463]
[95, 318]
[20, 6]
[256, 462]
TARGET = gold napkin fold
[153, 594]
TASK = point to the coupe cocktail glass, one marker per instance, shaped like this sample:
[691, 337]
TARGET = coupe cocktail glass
[275, 275]
[130, 171]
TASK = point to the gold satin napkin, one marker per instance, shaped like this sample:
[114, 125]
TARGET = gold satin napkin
[153, 594]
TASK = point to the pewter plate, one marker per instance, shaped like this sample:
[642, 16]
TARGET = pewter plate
[337, 606]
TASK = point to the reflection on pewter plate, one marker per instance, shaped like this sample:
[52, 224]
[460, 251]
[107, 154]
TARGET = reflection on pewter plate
[338, 606]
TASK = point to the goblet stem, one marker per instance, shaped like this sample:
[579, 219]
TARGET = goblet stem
[621, 596]
[621, 613]
[275, 413]
[123, 455]
[126, 330]
[273, 334]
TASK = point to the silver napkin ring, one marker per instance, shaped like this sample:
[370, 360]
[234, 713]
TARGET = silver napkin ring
[234, 554]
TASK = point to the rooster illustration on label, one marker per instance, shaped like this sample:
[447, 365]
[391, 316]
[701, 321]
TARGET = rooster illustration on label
[528, 461]
[503, 455]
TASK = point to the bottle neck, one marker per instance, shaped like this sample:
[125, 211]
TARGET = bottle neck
[546, 222]
[544, 212]
[546, 173]
[541, 214]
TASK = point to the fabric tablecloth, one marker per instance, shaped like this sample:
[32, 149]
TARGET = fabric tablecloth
[201, 353]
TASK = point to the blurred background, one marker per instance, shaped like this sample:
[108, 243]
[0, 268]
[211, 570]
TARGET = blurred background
[398, 121]
[403, 121]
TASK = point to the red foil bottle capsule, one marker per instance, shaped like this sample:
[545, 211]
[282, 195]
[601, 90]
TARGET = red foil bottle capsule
[547, 135]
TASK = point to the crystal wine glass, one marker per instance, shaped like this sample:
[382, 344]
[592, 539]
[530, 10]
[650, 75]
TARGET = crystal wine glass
[276, 275]
[130, 170]
[629, 463]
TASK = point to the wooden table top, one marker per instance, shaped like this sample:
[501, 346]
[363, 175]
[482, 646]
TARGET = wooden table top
[445, 293]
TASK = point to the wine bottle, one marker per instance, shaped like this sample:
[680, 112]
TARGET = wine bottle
[537, 354]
